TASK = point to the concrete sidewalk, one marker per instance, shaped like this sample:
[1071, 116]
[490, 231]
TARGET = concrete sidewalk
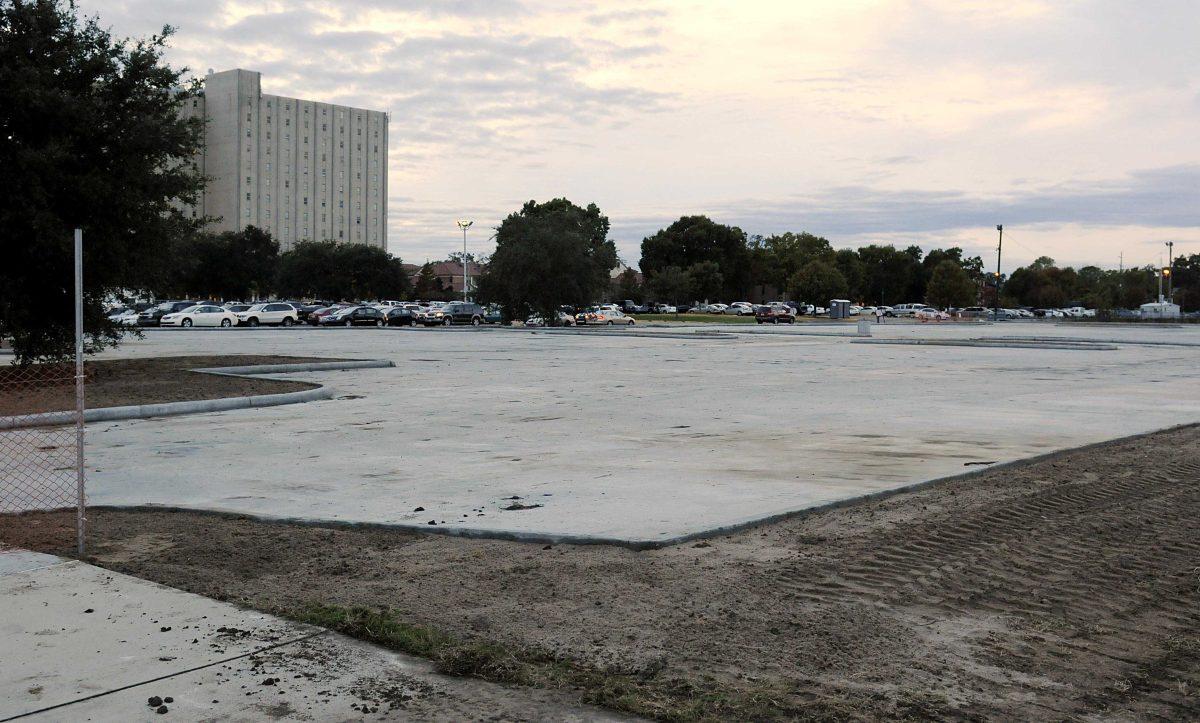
[84, 643]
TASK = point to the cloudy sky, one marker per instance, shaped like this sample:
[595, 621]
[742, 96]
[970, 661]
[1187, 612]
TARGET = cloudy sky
[1075, 123]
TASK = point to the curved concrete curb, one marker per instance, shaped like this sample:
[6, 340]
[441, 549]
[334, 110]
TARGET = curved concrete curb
[987, 344]
[201, 406]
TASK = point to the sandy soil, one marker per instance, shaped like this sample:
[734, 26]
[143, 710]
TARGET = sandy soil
[1068, 588]
[112, 383]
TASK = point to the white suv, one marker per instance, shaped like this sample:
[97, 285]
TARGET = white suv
[275, 313]
[905, 309]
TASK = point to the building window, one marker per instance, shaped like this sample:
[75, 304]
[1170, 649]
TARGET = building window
[306, 200]
[324, 127]
[358, 220]
[287, 137]
[247, 132]
[267, 213]
[287, 122]
[305, 140]
[247, 196]
[268, 120]
[268, 198]
[268, 169]
[247, 180]
[341, 204]
[268, 135]
[248, 118]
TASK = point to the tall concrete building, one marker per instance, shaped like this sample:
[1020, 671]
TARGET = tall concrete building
[305, 170]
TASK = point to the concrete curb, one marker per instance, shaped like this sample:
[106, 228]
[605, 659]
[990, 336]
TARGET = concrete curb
[987, 344]
[202, 406]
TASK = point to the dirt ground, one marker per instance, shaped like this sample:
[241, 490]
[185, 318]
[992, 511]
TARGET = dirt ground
[120, 382]
[1063, 589]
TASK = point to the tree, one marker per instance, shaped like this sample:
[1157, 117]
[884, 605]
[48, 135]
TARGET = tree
[341, 271]
[705, 281]
[630, 287]
[232, 265]
[670, 284]
[549, 254]
[428, 286]
[789, 252]
[949, 285]
[817, 283]
[695, 239]
[91, 138]
[887, 273]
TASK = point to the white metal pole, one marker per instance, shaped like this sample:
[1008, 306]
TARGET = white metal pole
[79, 496]
[464, 263]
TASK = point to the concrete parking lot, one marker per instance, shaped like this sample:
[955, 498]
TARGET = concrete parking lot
[632, 439]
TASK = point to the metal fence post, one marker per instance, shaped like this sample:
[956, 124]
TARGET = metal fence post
[79, 496]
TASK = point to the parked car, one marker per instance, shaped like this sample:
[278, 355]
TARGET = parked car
[564, 319]
[200, 315]
[237, 308]
[904, 310]
[931, 314]
[399, 316]
[605, 317]
[154, 315]
[456, 312]
[741, 308]
[973, 312]
[665, 309]
[493, 315]
[314, 317]
[355, 316]
[123, 317]
[775, 314]
[275, 313]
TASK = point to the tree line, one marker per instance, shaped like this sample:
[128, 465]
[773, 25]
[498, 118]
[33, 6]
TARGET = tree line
[247, 264]
[696, 259]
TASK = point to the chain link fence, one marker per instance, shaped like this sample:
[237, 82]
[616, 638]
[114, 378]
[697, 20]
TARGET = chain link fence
[41, 443]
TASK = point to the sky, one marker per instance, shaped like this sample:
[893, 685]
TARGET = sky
[1074, 123]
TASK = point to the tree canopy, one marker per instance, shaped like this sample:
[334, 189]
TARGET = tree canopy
[818, 282]
[949, 285]
[338, 271]
[695, 239]
[549, 254]
[91, 138]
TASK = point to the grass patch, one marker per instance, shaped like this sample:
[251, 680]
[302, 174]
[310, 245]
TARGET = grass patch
[644, 693]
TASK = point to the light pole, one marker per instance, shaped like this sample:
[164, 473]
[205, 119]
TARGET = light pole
[1170, 270]
[999, 247]
[464, 225]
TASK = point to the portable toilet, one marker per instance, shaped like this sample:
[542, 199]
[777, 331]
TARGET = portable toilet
[839, 309]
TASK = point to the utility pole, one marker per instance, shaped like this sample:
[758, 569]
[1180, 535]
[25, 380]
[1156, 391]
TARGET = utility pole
[464, 225]
[999, 248]
[1170, 271]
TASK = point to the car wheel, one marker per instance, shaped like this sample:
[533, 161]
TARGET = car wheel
[252, 322]
[185, 323]
[226, 323]
[609, 323]
[475, 321]
[379, 323]
[287, 321]
[630, 323]
[446, 321]
[412, 322]
[349, 323]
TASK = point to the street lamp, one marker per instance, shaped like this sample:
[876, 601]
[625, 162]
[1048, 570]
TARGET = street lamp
[999, 246]
[464, 225]
[1170, 271]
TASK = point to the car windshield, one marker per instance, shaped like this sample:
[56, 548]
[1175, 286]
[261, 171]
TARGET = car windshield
[257, 307]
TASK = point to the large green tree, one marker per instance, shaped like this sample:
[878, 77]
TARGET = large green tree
[341, 271]
[817, 283]
[235, 265]
[950, 285]
[547, 255]
[696, 239]
[90, 138]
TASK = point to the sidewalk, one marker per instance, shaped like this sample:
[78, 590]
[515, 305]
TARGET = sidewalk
[83, 643]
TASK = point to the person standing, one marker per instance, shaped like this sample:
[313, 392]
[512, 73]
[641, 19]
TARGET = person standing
[878, 315]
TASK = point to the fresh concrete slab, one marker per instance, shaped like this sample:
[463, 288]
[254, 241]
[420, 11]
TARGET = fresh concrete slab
[82, 643]
[637, 440]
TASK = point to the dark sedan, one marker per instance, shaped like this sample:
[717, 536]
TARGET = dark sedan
[400, 316]
[355, 316]
[153, 316]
